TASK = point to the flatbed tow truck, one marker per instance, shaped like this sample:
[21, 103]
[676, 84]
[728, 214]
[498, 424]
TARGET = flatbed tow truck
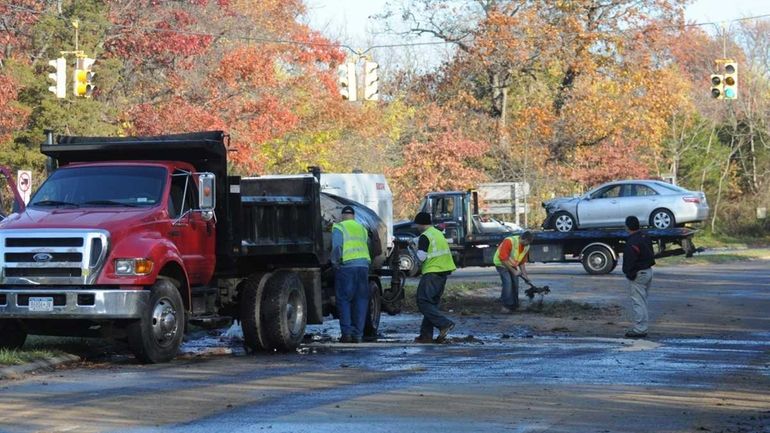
[474, 239]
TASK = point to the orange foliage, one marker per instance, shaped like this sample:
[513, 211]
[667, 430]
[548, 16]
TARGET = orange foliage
[441, 161]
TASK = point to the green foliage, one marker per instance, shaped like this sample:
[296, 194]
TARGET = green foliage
[18, 357]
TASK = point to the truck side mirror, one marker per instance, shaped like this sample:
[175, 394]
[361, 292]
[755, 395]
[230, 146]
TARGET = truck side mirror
[207, 192]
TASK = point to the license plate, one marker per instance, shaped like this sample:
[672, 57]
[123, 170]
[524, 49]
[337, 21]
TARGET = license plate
[40, 304]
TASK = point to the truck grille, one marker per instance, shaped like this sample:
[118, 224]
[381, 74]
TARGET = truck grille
[64, 256]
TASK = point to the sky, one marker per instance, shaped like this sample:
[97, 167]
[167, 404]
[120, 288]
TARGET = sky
[348, 19]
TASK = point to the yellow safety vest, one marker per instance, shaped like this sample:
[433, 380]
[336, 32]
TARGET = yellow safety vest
[517, 255]
[354, 240]
[439, 257]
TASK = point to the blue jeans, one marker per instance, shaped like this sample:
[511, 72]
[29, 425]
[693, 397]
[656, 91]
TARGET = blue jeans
[429, 293]
[510, 294]
[351, 285]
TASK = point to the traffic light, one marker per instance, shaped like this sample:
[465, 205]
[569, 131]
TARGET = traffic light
[731, 80]
[717, 86]
[371, 81]
[347, 80]
[59, 77]
[83, 80]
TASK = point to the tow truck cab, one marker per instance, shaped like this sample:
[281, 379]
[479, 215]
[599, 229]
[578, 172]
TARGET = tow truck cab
[472, 238]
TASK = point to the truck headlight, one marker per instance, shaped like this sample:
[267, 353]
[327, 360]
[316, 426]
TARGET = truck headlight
[133, 266]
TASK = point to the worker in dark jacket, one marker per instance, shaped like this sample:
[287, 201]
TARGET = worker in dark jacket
[638, 259]
[437, 263]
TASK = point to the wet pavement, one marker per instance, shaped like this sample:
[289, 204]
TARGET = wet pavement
[705, 368]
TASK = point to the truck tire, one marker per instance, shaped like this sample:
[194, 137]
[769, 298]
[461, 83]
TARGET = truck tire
[598, 260]
[564, 222]
[249, 296]
[13, 334]
[374, 311]
[408, 263]
[392, 299]
[157, 335]
[283, 312]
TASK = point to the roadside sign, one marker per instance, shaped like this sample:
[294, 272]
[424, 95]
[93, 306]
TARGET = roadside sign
[24, 184]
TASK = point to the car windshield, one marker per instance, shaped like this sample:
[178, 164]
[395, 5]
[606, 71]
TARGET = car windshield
[129, 186]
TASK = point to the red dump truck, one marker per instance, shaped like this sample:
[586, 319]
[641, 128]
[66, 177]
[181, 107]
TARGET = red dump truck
[134, 237]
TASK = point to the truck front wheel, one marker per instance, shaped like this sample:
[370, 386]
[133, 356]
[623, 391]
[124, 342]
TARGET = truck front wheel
[374, 311]
[157, 335]
[284, 312]
[13, 334]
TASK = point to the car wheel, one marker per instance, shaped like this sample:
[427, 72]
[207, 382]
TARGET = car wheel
[662, 219]
[564, 222]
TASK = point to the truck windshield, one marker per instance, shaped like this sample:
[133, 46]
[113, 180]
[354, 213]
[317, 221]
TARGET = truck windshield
[102, 186]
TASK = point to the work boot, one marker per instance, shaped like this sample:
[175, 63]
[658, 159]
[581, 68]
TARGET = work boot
[634, 334]
[346, 339]
[422, 339]
[443, 333]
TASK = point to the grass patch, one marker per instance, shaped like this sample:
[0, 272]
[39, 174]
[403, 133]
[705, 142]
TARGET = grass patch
[717, 258]
[706, 239]
[22, 356]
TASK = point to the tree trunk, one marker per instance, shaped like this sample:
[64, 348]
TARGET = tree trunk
[708, 150]
[721, 183]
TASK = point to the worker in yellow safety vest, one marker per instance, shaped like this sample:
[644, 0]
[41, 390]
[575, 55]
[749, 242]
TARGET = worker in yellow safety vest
[350, 260]
[510, 261]
[437, 264]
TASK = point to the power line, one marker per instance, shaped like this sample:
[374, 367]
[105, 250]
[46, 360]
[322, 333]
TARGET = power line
[267, 40]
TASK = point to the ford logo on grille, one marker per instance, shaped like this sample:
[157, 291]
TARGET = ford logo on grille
[42, 257]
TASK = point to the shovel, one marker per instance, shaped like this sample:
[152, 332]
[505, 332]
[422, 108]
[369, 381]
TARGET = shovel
[535, 290]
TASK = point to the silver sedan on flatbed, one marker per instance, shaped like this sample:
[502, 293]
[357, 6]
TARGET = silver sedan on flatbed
[657, 204]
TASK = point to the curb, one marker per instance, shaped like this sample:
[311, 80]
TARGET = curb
[18, 371]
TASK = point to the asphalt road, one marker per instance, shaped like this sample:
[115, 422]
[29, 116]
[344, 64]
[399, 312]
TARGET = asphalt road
[705, 368]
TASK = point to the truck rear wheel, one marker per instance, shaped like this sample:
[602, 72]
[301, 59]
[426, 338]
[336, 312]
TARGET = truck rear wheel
[248, 291]
[13, 334]
[157, 335]
[283, 312]
[374, 311]
[598, 260]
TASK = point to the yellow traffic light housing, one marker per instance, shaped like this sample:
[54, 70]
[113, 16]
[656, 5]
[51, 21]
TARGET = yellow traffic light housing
[371, 81]
[347, 79]
[82, 83]
[59, 77]
[730, 80]
[717, 86]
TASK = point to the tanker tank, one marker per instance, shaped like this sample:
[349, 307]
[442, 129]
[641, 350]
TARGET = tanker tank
[331, 210]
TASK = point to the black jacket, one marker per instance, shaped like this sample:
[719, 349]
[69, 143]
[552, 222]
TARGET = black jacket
[637, 254]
